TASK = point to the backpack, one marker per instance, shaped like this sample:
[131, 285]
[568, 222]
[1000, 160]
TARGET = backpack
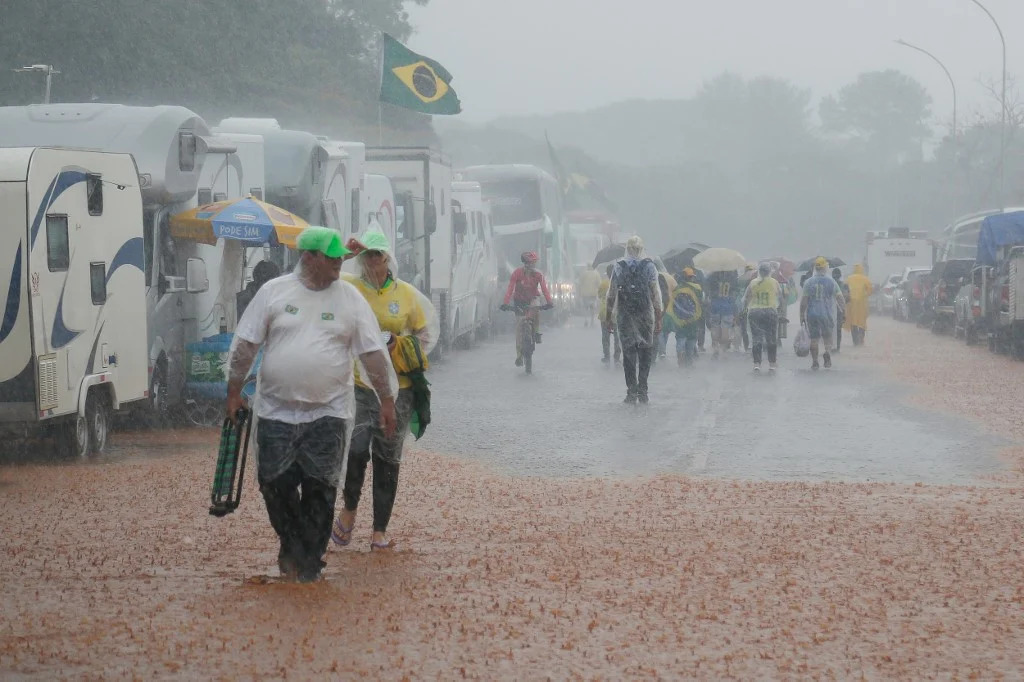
[634, 290]
[684, 306]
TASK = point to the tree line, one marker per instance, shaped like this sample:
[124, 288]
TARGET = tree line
[310, 63]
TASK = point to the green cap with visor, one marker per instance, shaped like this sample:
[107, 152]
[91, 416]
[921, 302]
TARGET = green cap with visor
[322, 239]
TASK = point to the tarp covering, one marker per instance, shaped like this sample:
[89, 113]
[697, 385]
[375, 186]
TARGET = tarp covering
[997, 231]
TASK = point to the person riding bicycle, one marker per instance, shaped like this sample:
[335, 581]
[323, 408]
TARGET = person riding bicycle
[525, 285]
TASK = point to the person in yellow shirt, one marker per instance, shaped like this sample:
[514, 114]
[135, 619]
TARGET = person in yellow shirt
[399, 310]
[761, 304]
[857, 307]
[607, 331]
[590, 283]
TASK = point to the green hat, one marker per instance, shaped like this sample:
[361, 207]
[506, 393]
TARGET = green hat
[375, 240]
[322, 239]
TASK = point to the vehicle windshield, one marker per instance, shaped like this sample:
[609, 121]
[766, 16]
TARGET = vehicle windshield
[513, 201]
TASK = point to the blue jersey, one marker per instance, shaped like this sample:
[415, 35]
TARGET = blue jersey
[820, 292]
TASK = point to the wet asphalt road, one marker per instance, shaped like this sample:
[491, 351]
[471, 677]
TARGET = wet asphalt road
[717, 419]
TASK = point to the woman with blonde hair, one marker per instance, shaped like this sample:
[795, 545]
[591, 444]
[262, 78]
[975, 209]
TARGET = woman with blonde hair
[405, 317]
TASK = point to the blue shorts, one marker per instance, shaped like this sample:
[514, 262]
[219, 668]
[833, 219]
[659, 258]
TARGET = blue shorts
[724, 321]
[820, 327]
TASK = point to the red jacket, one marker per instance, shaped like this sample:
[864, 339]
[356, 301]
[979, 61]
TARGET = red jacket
[523, 286]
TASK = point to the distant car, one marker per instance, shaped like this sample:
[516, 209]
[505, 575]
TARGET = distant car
[883, 297]
[947, 277]
[908, 299]
[967, 308]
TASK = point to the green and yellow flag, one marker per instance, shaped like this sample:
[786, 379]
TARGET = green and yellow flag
[415, 82]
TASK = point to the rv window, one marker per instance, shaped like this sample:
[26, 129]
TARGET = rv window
[186, 152]
[205, 196]
[98, 282]
[94, 194]
[329, 207]
[58, 251]
[147, 244]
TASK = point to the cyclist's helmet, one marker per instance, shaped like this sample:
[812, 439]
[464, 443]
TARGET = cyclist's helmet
[529, 257]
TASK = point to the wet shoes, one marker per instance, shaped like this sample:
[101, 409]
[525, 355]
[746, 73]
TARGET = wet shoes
[814, 366]
[519, 361]
[828, 360]
[757, 368]
[536, 337]
[630, 399]
[772, 367]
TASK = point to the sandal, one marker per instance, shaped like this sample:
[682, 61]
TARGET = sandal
[387, 545]
[341, 535]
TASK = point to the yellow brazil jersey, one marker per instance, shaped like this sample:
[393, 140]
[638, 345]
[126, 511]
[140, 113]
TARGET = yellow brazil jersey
[602, 295]
[396, 308]
[764, 293]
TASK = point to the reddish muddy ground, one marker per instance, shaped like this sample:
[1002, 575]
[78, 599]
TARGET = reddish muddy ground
[114, 569]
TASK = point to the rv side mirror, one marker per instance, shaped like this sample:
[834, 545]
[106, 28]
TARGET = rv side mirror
[430, 218]
[459, 224]
[196, 281]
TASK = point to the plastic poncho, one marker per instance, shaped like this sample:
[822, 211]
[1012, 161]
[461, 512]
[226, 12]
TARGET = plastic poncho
[857, 308]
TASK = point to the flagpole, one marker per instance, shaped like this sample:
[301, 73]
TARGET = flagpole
[380, 104]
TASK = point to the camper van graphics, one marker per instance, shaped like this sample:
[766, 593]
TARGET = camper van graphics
[13, 298]
[129, 253]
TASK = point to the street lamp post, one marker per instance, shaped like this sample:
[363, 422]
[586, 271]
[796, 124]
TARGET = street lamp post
[43, 68]
[952, 85]
[1002, 106]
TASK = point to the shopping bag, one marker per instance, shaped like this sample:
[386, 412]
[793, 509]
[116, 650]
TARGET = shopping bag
[802, 342]
[230, 470]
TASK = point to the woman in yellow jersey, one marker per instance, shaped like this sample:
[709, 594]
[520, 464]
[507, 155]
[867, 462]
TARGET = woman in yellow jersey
[761, 301]
[400, 311]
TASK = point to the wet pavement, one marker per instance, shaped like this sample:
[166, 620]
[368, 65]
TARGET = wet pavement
[716, 419]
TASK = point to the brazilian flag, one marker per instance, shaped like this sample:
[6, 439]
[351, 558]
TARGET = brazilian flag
[415, 82]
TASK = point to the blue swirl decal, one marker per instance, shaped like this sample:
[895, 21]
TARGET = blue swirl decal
[13, 298]
[60, 335]
[130, 253]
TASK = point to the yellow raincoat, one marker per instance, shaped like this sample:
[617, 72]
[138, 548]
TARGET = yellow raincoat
[860, 290]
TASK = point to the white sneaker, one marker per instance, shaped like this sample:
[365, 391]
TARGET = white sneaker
[757, 368]
[772, 366]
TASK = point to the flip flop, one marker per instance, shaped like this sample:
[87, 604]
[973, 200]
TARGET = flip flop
[383, 546]
[341, 535]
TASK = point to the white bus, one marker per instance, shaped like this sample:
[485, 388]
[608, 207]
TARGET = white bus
[526, 209]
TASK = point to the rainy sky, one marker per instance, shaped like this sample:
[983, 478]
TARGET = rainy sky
[542, 56]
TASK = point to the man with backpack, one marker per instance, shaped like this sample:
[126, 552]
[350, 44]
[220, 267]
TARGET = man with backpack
[683, 316]
[633, 306]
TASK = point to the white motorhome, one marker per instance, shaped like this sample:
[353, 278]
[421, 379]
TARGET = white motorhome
[169, 145]
[889, 252]
[295, 165]
[422, 181]
[72, 273]
[233, 169]
[378, 203]
[474, 287]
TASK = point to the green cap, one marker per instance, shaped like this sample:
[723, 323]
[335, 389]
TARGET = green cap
[322, 239]
[375, 240]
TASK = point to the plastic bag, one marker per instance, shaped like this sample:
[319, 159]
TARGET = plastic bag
[802, 343]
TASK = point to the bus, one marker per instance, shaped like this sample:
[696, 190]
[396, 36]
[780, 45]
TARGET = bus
[526, 211]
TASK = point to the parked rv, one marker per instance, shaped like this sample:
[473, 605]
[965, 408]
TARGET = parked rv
[71, 348]
[424, 241]
[169, 145]
[474, 291]
[892, 251]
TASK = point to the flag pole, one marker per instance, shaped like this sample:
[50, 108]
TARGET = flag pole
[380, 102]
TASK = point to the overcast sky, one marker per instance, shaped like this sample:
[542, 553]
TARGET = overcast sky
[540, 56]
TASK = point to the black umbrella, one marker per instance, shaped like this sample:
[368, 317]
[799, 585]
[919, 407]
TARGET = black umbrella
[681, 257]
[609, 253]
[809, 263]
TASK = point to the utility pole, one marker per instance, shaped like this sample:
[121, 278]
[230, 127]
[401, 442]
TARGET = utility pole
[42, 68]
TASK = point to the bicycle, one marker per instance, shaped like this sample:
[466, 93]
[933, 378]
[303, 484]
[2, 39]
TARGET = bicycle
[526, 329]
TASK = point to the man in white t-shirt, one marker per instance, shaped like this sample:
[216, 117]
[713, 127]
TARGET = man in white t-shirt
[311, 327]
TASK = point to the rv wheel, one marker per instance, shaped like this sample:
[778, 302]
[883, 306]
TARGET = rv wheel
[73, 438]
[97, 416]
